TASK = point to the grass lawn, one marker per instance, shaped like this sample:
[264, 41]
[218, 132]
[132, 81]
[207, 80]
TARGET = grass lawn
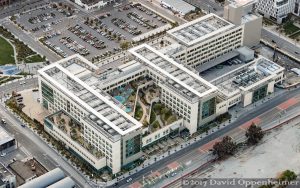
[290, 28]
[6, 52]
[34, 59]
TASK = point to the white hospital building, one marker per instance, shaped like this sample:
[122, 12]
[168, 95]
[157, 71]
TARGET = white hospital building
[180, 68]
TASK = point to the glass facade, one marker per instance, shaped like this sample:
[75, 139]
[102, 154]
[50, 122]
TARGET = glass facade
[133, 145]
[48, 124]
[260, 93]
[47, 93]
[208, 108]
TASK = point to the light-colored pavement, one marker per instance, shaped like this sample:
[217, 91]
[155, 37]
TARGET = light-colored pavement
[17, 85]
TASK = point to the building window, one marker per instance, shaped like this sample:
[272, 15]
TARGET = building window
[208, 108]
[133, 145]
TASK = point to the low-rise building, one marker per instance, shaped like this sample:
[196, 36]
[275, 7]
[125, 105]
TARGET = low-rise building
[55, 178]
[7, 142]
[178, 6]
[93, 4]
[7, 178]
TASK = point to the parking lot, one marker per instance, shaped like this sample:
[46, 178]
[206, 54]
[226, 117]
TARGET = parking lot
[43, 20]
[93, 37]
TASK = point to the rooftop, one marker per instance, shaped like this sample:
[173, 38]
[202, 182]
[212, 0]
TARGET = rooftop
[200, 29]
[4, 136]
[69, 75]
[180, 5]
[239, 3]
[246, 76]
[4, 174]
[179, 77]
[24, 171]
[91, 2]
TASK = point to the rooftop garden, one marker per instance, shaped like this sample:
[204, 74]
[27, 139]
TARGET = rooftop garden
[161, 116]
[74, 130]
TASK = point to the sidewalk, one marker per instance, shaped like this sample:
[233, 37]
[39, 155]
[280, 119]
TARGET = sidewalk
[237, 112]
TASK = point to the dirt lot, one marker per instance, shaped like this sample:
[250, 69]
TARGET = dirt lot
[279, 151]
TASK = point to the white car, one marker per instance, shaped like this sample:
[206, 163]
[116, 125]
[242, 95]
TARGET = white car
[3, 154]
[129, 180]
[3, 121]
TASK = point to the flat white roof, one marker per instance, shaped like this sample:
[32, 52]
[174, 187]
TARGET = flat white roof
[173, 70]
[90, 97]
[202, 28]
[179, 5]
[4, 136]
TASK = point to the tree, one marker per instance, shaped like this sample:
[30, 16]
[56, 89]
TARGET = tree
[254, 134]
[288, 175]
[124, 45]
[224, 148]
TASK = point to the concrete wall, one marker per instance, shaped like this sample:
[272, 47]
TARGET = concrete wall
[233, 14]
[252, 32]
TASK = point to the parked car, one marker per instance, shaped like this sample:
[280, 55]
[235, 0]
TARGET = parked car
[3, 121]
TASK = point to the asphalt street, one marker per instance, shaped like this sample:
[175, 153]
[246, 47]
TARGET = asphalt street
[186, 151]
[21, 6]
[210, 6]
[8, 88]
[38, 148]
[281, 43]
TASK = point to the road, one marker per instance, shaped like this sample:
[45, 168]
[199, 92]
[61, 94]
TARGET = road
[283, 44]
[20, 6]
[8, 88]
[185, 152]
[210, 6]
[38, 148]
[158, 9]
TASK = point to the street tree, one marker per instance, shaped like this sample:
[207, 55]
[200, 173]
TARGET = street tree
[254, 134]
[224, 148]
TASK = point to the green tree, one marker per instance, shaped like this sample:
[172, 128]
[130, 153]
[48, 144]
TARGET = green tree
[124, 45]
[288, 175]
[224, 148]
[254, 134]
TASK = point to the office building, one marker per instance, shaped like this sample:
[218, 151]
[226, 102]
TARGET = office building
[277, 10]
